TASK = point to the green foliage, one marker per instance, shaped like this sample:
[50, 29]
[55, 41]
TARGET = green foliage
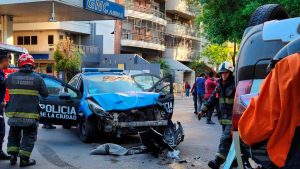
[226, 20]
[163, 66]
[218, 53]
[67, 58]
[198, 67]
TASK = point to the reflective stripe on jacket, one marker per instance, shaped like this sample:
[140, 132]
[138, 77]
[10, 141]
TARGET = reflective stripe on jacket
[24, 90]
[224, 93]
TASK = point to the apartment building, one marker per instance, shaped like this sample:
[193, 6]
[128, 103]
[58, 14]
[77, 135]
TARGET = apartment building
[162, 29]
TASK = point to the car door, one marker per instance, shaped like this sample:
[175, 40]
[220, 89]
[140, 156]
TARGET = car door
[164, 86]
[61, 106]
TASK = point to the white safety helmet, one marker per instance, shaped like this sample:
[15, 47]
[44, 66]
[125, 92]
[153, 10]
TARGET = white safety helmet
[226, 67]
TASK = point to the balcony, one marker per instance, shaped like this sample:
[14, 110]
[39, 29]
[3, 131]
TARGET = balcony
[180, 53]
[141, 40]
[145, 13]
[181, 8]
[181, 30]
[77, 27]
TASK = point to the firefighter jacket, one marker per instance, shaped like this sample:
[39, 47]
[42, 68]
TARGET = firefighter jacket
[224, 93]
[274, 115]
[24, 88]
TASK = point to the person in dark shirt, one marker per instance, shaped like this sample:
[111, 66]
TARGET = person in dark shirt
[4, 63]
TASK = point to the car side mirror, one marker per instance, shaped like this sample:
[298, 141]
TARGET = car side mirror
[65, 96]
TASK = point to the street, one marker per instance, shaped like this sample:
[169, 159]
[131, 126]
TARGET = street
[61, 148]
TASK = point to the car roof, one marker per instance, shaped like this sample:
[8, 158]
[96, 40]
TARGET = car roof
[88, 74]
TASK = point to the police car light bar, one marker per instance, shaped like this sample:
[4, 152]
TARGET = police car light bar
[86, 70]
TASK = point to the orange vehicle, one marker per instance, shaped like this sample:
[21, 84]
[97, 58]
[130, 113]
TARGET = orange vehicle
[15, 52]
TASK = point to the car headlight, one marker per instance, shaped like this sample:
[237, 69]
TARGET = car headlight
[98, 110]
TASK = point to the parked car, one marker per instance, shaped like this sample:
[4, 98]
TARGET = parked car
[108, 102]
[269, 34]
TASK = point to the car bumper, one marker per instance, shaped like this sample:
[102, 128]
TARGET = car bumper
[141, 124]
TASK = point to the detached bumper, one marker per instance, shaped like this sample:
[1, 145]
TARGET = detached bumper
[141, 124]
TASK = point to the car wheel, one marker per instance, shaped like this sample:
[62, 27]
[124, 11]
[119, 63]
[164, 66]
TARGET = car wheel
[87, 130]
[267, 13]
[67, 126]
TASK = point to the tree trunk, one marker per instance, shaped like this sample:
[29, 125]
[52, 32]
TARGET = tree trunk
[234, 54]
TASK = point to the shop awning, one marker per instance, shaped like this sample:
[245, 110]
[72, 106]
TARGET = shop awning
[176, 65]
[27, 11]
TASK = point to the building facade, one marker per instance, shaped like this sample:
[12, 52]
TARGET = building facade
[162, 29]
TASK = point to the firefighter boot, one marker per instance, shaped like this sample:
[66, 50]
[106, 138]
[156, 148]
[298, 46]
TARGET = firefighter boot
[215, 164]
[13, 159]
[27, 162]
[4, 156]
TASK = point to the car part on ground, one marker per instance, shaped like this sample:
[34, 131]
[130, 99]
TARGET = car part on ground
[268, 12]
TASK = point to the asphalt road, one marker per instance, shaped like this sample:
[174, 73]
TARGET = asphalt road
[61, 148]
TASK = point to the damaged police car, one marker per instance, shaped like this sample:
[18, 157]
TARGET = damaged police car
[108, 102]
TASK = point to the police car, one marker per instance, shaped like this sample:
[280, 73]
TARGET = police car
[108, 102]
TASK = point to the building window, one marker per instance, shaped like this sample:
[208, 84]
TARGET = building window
[20, 40]
[26, 40]
[50, 39]
[61, 37]
[34, 40]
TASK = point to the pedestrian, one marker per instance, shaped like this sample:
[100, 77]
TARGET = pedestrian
[274, 115]
[194, 93]
[210, 86]
[224, 92]
[49, 71]
[4, 63]
[187, 88]
[24, 87]
[200, 86]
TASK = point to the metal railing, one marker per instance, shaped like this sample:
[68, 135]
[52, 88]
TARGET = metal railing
[88, 49]
[144, 9]
[187, 29]
[143, 37]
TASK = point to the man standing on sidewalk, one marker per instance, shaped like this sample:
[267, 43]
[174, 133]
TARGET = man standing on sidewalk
[210, 86]
[4, 63]
[200, 86]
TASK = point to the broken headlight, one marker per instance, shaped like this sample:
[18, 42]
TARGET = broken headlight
[98, 110]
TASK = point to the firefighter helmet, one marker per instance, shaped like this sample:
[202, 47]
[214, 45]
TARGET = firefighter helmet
[26, 59]
[226, 67]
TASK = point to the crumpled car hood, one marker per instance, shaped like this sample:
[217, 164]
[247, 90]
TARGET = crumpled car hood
[125, 101]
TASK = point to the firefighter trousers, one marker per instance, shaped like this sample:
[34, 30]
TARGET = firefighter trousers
[21, 141]
[225, 141]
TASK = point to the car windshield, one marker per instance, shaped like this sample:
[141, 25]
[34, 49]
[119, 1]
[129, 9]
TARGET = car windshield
[111, 84]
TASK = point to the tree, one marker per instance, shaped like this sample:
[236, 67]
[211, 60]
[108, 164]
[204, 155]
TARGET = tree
[226, 20]
[163, 66]
[67, 58]
[198, 67]
[218, 53]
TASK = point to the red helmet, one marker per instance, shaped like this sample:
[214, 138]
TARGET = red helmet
[25, 59]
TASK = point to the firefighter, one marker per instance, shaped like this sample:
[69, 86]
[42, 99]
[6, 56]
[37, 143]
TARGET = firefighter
[274, 115]
[4, 63]
[24, 87]
[224, 93]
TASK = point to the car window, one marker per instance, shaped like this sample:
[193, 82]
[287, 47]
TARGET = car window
[111, 84]
[74, 81]
[146, 82]
[55, 88]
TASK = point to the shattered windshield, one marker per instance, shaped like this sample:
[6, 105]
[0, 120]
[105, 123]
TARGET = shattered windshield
[111, 84]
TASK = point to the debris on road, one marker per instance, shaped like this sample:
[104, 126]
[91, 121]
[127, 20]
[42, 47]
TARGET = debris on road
[152, 142]
[174, 155]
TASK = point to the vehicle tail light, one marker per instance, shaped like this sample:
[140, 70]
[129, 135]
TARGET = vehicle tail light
[243, 87]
